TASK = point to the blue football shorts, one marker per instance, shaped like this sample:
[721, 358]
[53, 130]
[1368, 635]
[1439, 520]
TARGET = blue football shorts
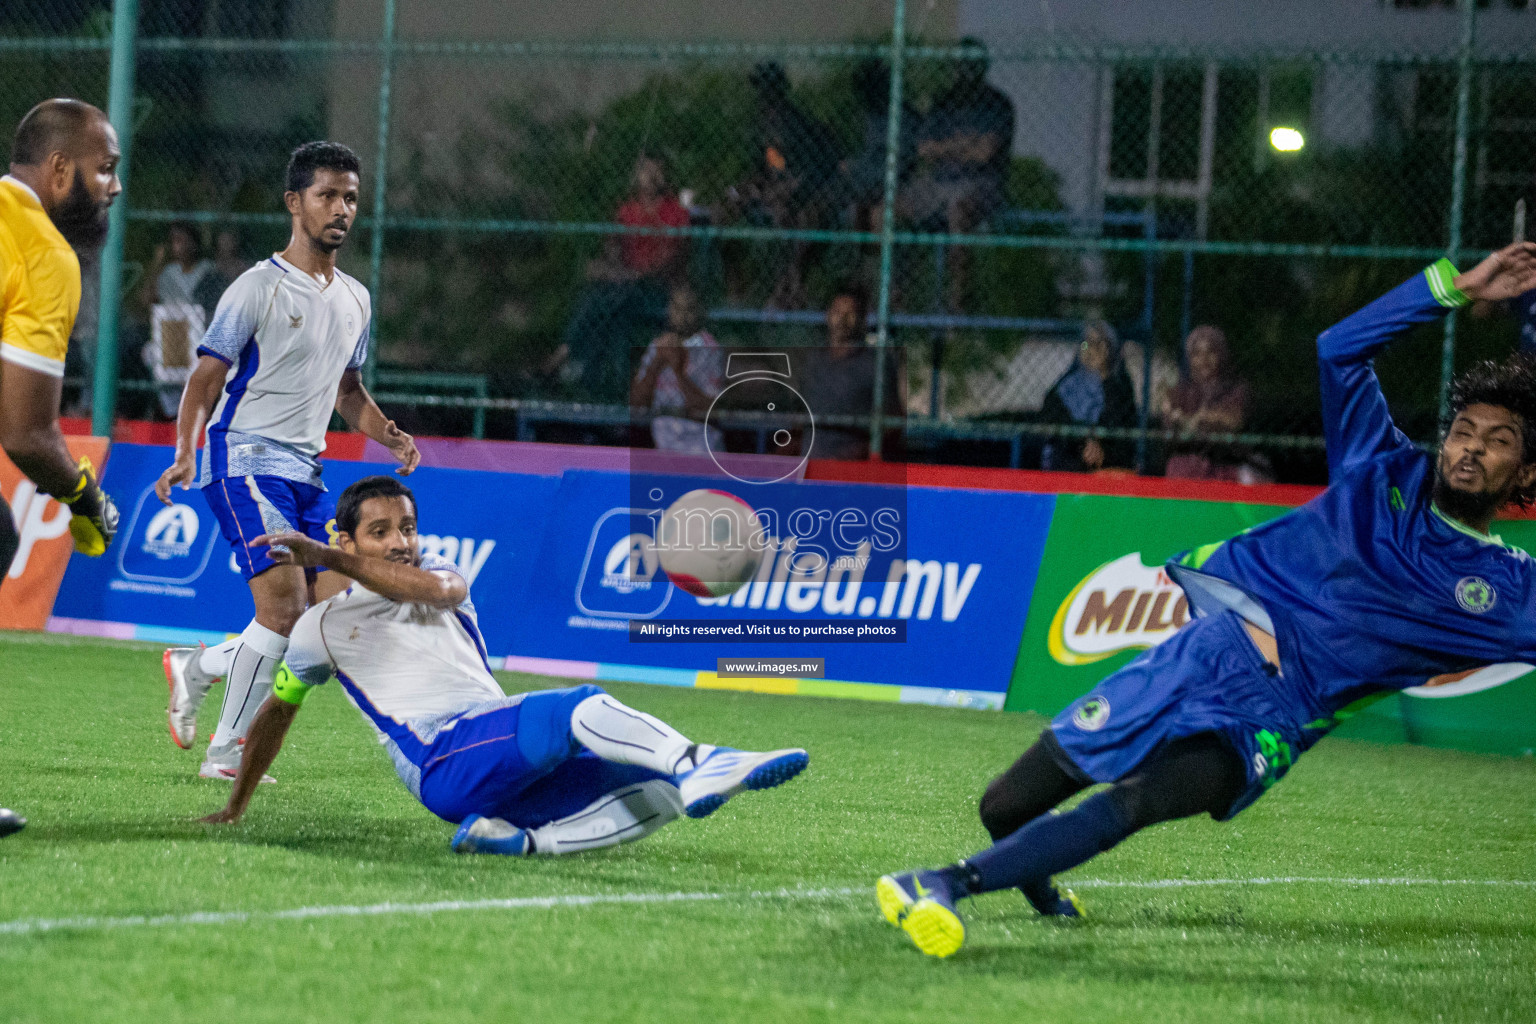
[517, 760]
[1208, 678]
[250, 506]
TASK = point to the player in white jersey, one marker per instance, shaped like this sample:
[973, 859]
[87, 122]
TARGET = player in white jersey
[286, 346]
[548, 772]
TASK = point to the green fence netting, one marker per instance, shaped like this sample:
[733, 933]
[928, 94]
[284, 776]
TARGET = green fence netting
[531, 205]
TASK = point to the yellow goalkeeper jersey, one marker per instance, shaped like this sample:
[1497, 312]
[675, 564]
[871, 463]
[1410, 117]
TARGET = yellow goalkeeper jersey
[39, 283]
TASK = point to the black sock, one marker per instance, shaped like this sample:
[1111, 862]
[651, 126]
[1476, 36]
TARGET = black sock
[1050, 844]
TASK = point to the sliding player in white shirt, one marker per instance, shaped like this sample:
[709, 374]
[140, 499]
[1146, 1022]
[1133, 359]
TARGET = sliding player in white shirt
[548, 772]
[286, 346]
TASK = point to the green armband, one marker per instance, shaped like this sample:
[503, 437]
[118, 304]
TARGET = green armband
[1440, 274]
[289, 687]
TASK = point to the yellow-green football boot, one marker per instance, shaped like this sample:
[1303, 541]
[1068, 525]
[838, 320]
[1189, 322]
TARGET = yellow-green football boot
[922, 904]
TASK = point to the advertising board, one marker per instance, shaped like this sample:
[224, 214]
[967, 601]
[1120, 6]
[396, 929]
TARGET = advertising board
[1102, 597]
[170, 574]
[930, 598]
[45, 544]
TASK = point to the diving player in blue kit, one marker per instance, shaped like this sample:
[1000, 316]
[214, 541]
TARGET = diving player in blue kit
[1388, 579]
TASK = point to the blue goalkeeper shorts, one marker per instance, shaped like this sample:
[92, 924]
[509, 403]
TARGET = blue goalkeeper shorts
[516, 759]
[1208, 678]
[249, 506]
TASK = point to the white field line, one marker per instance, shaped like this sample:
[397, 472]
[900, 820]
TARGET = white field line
[38, 925]
[30, 926]
[1192, 883]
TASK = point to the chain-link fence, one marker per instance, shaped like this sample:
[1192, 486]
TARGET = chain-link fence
[1039, 232]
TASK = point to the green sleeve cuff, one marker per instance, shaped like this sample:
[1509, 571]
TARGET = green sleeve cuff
[1440, 274]
[288, 687]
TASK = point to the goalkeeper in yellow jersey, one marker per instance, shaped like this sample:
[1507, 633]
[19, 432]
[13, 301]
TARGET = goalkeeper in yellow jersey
[62, 180]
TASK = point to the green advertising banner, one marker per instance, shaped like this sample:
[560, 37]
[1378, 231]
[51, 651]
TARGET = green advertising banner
[1102, 597]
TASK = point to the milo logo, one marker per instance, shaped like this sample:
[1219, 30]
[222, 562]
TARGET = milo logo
[1121, 605]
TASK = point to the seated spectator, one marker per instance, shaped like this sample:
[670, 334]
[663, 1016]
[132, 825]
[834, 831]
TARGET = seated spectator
[626, 285]
[865, 169]
[679, 375]
[1095, 392]
[177, 267]
[80, 360]
[177, 318]
[963, 150]
[796, 156]
[795, 181]
[1210, 398]
[839, 379]
[228, 263]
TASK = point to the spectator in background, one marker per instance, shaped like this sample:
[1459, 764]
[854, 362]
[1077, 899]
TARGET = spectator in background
[177, 318]
[626, 284]
[865, 169]
[839, 379]
[228, 263]
[1210, 398]
[963, 150]
[1095, 392]
[679, 376]
[177, 268]
[797, 155]
[80, 362]
[796, 183]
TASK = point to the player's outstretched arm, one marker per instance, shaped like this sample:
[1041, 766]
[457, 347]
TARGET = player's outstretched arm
[1501, 275]
[198, 398]
[404, 583]
[362, 414]
[1355, 417]
[262, 743]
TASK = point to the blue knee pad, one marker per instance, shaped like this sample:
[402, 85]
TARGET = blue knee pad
[544, 724]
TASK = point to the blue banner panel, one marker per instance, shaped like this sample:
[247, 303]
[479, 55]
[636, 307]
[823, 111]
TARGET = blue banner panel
[171, 567]
[957, 567]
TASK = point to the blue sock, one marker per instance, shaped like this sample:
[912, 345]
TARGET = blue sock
[1050, 844]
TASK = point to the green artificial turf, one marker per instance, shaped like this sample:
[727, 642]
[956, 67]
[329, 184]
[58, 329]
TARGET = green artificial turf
[789, 930]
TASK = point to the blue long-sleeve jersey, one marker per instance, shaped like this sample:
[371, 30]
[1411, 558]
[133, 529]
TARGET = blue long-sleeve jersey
[1369, 588]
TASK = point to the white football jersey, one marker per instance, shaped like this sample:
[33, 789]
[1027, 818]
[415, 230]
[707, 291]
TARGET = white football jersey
[407, 667]
[287, 338]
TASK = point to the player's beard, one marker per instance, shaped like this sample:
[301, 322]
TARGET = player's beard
[1466, 506]
[80, 219]
[320, 243]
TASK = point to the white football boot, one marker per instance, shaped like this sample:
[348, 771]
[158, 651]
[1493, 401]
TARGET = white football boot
[189, 685]
[491, 835]
[224, 762]
[722, 772]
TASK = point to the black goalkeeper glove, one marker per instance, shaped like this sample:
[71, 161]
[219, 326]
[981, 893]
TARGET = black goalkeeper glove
[93, 516]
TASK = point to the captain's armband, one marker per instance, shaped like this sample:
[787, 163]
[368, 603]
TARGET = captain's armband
[288, 687]
[1441, 276]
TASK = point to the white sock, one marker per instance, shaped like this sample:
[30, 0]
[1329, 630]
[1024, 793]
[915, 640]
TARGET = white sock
[625, 736]
[248, 682]
[215, 660]
[622, 816]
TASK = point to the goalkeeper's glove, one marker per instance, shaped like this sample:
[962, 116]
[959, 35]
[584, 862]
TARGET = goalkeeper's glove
[93, 516]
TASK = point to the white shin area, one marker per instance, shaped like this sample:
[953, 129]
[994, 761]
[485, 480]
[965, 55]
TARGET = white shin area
[215, 660]
[623, 735]
[248, 681]
[622, 816]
